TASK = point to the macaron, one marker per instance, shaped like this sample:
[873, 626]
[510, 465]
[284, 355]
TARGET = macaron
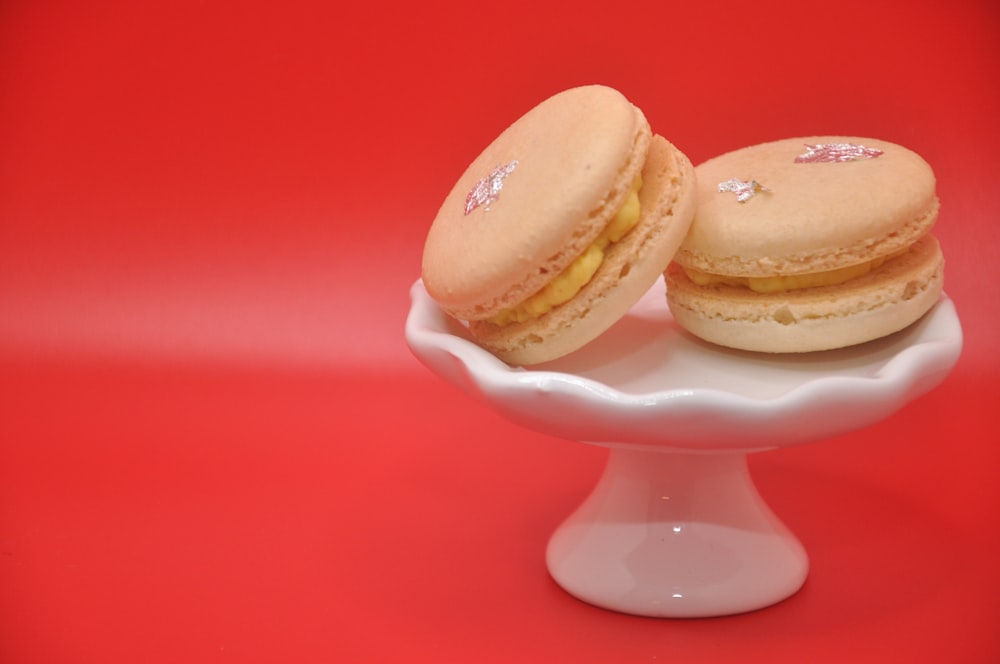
[808, 244]
[559, 226]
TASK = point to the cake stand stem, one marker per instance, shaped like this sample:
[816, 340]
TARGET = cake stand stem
[675, 534]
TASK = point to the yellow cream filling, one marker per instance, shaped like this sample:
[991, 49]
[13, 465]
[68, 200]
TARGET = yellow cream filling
[791, 282]
[568, 283]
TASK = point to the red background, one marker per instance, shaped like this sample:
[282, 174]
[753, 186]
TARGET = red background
[214, 444]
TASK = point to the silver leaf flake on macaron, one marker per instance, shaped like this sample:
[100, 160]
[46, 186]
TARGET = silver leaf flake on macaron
[744, 189]
[836, 152]
[487, 190]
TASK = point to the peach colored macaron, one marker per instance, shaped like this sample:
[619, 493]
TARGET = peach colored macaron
[808, 244]
[559, 226]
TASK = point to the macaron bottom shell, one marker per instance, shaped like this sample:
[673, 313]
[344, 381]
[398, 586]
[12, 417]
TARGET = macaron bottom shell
[884, 301]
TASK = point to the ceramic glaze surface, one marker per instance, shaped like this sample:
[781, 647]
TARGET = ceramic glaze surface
[675, 527]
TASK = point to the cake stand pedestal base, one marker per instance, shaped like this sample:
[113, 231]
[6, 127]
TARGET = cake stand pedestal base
[676, 534]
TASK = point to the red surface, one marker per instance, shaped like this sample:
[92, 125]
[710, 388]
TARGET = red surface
[214, 444]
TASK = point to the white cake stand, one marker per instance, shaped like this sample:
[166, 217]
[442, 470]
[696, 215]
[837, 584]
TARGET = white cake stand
[675, 526]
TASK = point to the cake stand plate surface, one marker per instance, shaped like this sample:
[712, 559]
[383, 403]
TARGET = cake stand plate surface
[675, 526]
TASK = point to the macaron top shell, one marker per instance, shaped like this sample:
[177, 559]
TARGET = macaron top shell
[808, 216]
[555, 178]
[628, 270]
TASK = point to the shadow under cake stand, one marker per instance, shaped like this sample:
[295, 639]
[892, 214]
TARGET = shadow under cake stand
[675, 526]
